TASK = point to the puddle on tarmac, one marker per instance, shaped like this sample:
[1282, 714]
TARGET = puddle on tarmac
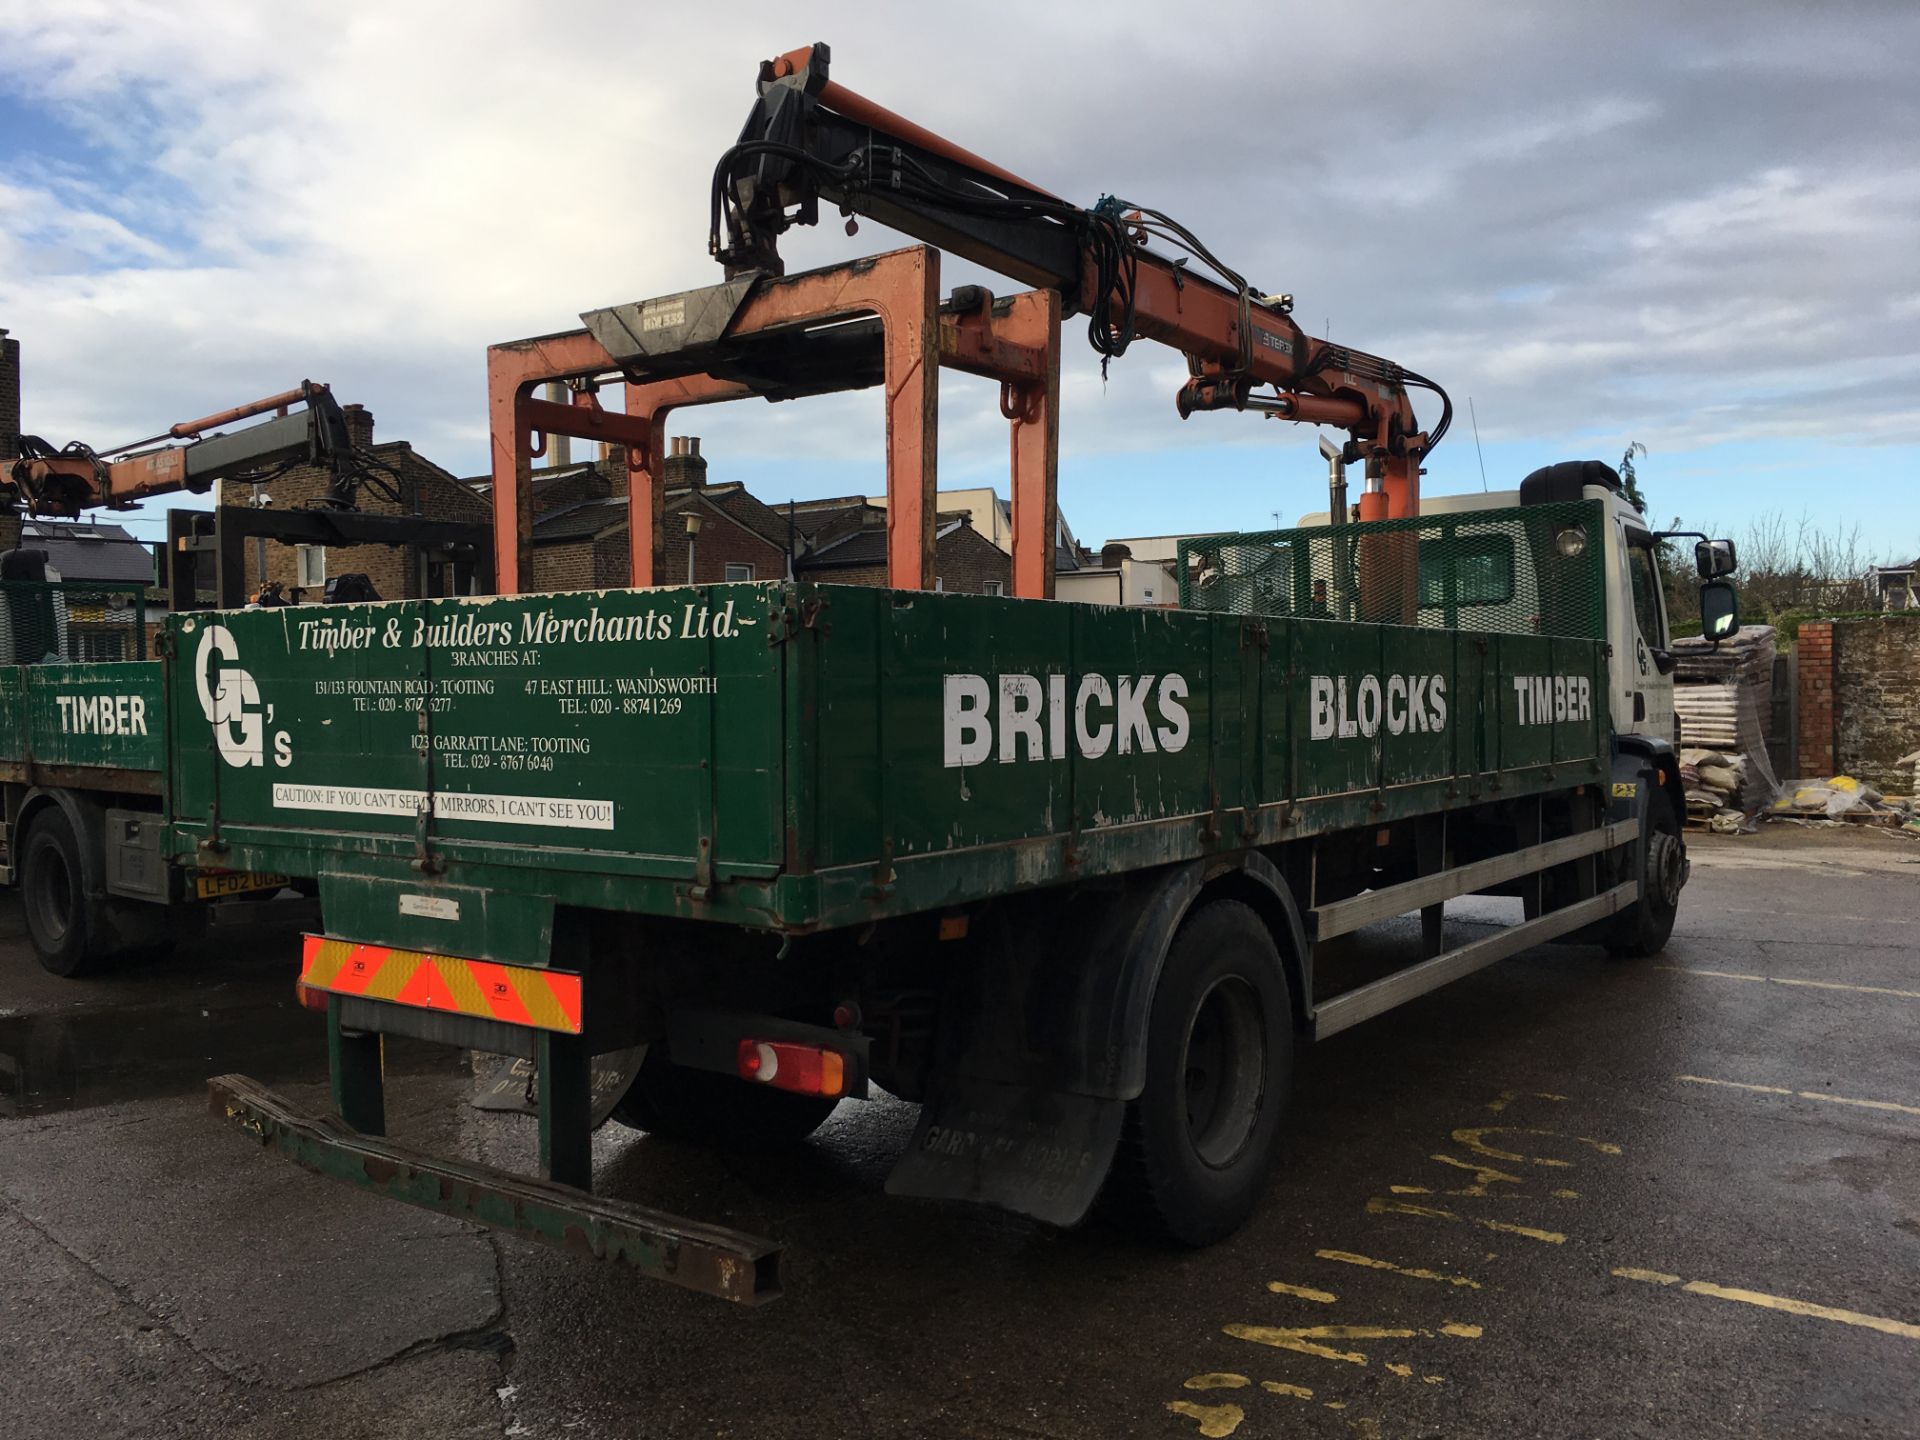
[79, 1059]
[82, 1059]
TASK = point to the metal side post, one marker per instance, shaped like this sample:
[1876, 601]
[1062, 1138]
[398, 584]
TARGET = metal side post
[358, 1067]
[565, 1109]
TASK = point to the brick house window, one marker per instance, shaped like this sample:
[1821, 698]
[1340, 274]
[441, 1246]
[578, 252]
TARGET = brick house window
[994, 587]
[309, 566]
[739, 572]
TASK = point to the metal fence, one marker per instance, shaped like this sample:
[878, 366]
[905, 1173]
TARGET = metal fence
[1532, 570]
[54, 620]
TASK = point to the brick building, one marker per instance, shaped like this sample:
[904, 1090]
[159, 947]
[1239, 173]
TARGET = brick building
[845, 543]
[581, 532]
[398, 572]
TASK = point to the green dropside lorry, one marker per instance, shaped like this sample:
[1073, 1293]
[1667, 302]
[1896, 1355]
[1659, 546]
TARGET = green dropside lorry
[718, 857]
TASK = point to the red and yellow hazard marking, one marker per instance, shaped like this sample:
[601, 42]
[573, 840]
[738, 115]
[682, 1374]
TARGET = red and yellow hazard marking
[515, 994]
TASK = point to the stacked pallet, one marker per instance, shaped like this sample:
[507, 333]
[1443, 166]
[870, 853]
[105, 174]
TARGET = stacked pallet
[1723, 696]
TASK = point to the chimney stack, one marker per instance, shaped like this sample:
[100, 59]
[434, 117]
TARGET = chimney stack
[9, 397]
[359, 426]
[685, 467]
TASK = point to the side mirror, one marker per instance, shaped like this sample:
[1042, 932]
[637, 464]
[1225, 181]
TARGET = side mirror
[1714, 558]
[1719, 611]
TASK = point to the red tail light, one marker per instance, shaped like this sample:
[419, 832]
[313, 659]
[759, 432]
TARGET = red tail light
[803, 1069]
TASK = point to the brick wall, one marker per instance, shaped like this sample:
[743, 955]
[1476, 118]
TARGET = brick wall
[9, 426]
[9, 397]
[1876, 706]
[1813, 750]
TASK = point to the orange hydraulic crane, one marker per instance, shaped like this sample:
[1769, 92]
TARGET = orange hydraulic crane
[76, 478]
[810, 139]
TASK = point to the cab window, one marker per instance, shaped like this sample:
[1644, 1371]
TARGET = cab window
[1646, 592]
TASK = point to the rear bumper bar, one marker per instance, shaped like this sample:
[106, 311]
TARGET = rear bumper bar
[715, 1261]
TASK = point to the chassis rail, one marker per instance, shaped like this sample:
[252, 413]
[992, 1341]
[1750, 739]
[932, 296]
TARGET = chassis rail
[716, 1261]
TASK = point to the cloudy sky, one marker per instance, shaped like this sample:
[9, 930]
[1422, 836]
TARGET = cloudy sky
[1692, 225]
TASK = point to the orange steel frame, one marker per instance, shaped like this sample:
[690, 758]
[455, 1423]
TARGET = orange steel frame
[1015, 341]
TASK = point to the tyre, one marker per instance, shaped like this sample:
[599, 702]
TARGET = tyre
[1198, 1142]
[67, 929]
[708, 1108]
[1642, 929]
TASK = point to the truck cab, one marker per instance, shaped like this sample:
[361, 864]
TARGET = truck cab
[1495, 572]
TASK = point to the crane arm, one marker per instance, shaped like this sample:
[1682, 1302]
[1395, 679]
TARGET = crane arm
[810, 139]
[186, 456]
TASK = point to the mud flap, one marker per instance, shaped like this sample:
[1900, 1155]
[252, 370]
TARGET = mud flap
[1028, 1149]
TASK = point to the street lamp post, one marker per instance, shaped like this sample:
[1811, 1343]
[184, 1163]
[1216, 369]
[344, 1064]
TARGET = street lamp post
[693, 534]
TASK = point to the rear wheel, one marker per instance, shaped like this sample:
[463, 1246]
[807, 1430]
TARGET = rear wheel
[708, 1108]
[1200, 1138]
[67, 930]
[1642, 929]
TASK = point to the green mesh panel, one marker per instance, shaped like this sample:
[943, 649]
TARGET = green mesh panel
[1498, 571]
[71, 620]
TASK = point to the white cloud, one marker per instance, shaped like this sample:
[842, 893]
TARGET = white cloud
[1622, 223]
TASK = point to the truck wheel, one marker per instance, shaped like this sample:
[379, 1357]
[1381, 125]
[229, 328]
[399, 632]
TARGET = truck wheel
[706, 1108]
[1198, 1141]
[1642, 929]
[64, 925]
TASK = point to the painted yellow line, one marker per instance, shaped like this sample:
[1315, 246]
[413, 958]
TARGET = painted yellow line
[1776, 1302]
[1347, 1257]
[1381, 1205]
[1215, 1380]
[1215, 1421]
[1304, 1339]
[1781, 980]
[1898, 1109]
[1280, 1387]
[1301, 1292]
[1507, 1097]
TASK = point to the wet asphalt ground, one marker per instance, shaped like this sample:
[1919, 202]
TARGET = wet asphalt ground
[1566, 1197]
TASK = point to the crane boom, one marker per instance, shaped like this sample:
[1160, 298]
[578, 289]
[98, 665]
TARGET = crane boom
[809, 138]
[67, 481]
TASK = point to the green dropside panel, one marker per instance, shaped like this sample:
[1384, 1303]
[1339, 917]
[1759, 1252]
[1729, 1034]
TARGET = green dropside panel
[612, 732]
[798, 756]
[108, 716]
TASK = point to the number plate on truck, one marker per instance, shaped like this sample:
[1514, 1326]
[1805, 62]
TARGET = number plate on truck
[512, 994]
[217, 884]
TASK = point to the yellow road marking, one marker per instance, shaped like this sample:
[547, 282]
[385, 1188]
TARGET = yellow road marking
[1405, 1371]
[1566, 1194]
[1409, 1189]
[1434, 1379]
[1777, 1302]
[1216, 1380]
[1781, 980]
[1507, 1097]
[1216, 1421]
[1347, 1257]
[1381, 1205]
[1549, 1237]
[1482, 1175]
[1805, 1095]
[1475, 1139]
[1280, 1387]
[1301, 1292]
[1304, 1339]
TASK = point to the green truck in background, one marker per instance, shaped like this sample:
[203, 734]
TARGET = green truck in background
[83, 761]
